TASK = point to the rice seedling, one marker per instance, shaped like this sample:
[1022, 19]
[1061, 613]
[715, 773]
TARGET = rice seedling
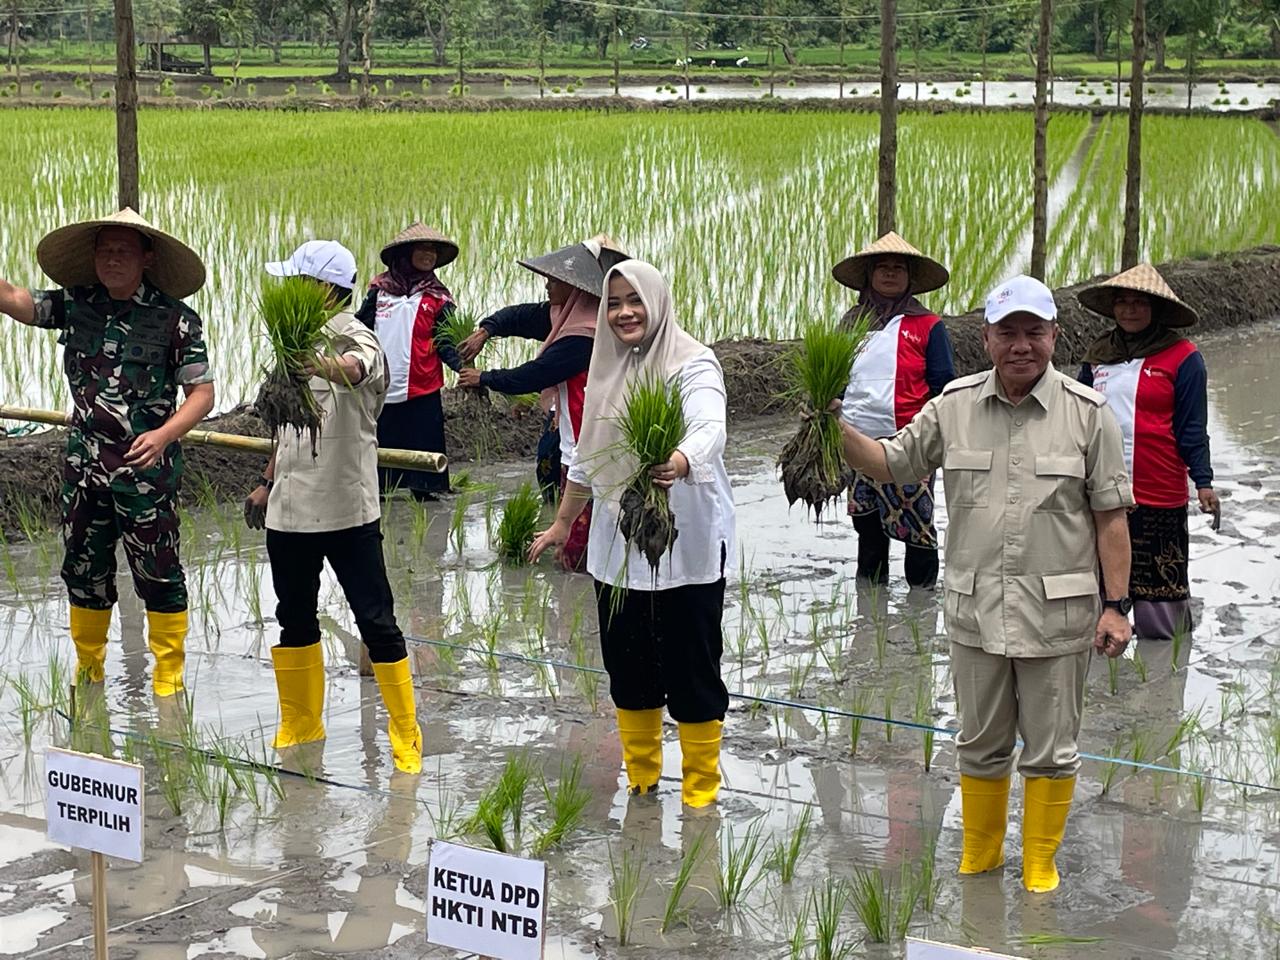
[799, 938]
[565, 807]
[885, 907]
[738, 875]
[1139, 665]
[1053, 940]
[294, 311]
[861, 702]
[458, 520]
[629, 882]
[812, 462]
[786, 853]
[520, 519]
[652, 423]
[827, 904]
[28, 706]
[694, 853]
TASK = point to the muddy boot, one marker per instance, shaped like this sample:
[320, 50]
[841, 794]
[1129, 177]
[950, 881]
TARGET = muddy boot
[984, 806]
[167, 635]
[396, 684]
[300, 682]
[641, 734]
[700, 762]
[1045, 805]
[89, 634]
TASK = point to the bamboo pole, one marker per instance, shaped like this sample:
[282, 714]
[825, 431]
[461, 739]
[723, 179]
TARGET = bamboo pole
[424, 460]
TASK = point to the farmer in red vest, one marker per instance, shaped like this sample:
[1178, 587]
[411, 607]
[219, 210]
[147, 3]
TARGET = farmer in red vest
[1155, 383]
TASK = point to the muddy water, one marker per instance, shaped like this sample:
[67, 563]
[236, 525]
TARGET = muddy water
[332, 862]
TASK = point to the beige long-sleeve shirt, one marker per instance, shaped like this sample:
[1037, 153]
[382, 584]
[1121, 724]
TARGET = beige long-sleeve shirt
[1021, 483]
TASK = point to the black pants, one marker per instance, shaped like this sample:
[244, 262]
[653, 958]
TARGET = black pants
[355, 556]
[416, 424]
[873, 555]
[663, 648]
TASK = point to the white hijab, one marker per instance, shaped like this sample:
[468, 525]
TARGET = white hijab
[665, 350]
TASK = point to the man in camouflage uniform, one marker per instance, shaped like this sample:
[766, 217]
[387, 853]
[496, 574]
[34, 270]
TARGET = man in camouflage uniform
[129, 344]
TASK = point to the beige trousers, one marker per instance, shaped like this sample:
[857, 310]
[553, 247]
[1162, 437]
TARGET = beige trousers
[999, 698]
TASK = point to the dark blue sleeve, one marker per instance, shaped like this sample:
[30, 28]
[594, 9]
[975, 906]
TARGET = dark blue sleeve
[532, 321]
[1085, 375]
[446, 349]
[939, 360]
[368, 311]
[1191, 418]
[563, 359]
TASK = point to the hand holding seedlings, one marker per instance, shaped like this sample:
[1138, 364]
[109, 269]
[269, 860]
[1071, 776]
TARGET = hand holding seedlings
[346, 369]
[470, 348]
[666, 474]
[469, 377]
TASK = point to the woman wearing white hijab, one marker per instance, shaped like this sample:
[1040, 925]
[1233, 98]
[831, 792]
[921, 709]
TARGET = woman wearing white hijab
[662, 643]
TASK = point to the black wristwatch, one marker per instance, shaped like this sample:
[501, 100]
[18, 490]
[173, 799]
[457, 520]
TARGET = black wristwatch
[1124, 605]
[264, 482]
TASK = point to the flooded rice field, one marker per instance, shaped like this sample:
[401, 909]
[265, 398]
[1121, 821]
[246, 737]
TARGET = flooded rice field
[838, 762]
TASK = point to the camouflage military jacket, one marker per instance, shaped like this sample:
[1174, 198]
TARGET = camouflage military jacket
[124, 363]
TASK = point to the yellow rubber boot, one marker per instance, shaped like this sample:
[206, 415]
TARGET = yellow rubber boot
[167, 635]
[396, 683]
[89, 634]
[1045, 805]
[700, 762]
[984, 806]
[641, 734]
[300, 682]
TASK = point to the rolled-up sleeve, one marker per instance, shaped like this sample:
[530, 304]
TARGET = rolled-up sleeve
[362, 343]
[50, 308]
[916, 450]
[191, 356]
[1107, 478]
[702, 387]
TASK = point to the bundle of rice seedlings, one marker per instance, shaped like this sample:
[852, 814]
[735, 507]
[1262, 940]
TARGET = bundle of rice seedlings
[459, 325]
[519, 523]
[652, 425]
[812, 462]
[295, 311]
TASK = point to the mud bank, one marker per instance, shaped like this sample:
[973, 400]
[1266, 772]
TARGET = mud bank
[1229, 291]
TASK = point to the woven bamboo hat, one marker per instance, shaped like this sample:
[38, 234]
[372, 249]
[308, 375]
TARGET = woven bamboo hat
[1144, 278]
[926, 273]
[582, 265]
[421, 233]
[66, 255]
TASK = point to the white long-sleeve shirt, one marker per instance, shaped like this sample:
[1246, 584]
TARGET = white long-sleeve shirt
[702, 502]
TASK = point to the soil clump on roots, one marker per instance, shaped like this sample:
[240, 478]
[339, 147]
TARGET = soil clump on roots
[646, 521]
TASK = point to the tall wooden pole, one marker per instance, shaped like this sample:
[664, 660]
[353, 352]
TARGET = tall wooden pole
[617, 55]
[88, 31]
[126, 105]
[1133, 170]
[1040, 195]
[886, 213]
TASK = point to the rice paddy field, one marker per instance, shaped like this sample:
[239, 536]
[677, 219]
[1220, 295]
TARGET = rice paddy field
[838, 827]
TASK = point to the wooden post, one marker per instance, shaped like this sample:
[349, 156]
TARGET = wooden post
[617, 54]
[1040, 170]
[1129, 246]
[99, 870]
[986, 36]
[126, 106]
[886, 213]
[843, 38]
[88, 30]
[15, 47]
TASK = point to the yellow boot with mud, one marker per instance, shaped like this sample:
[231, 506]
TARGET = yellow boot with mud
[641, 734]
[89, 634]
[300, 683]
[984, 806]
[700, 762]
[396, 683]
[1045, 805]
[167, 635]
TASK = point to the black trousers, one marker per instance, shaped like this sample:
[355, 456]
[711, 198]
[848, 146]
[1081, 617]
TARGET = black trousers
[355, 556]
[663, 648]
[416, 424]
[873, 555]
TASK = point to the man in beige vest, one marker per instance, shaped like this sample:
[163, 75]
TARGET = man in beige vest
[1037, 491]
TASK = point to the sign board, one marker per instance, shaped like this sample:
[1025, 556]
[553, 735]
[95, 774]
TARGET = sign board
[486, 902]
[94, 803]
[928, 950]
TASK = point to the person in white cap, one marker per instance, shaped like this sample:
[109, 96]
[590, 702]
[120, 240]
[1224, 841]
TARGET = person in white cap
[1037, 490]
[130, 343]
[324, 506]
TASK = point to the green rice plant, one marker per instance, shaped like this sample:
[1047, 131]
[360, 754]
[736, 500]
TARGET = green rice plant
[738, 875]
[457, 326]
[29, 708]
[1053, 940]
[652, 424]
[628, 884]
[294, 311]
[786, 853]
[1111, 767]
[827, 904]
[812, 462]
[513, 785]
[520, 519]
[799, 938]
[692, 856]
[872, 899]
[1139, 665]
[861, 702]
[566, 805]
[458, 521]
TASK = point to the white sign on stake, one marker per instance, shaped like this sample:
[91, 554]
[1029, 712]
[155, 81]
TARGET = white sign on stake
[94, 803]
[928, 950]
[485, 902]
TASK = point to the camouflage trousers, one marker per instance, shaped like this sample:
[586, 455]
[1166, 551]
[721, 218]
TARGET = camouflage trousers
[92, 522]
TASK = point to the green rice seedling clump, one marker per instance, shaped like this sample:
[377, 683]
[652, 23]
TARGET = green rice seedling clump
[652, 425]
[812, 463]
[519, 523]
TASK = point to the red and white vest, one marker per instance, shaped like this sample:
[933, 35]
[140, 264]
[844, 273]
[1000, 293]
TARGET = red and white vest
[406, 327]
[1141, 395]
[570, 394]
[887, 385]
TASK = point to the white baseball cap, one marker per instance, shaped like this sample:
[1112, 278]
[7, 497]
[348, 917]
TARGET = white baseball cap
[1021, 294]
[326, 260]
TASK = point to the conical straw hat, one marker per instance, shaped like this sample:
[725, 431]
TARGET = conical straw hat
[926, 273]
[1144, 278]
[66, 255]
[582, 265]
[421, 233]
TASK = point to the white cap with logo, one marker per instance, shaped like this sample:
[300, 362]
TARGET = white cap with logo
[1021, 294]
[326, 260]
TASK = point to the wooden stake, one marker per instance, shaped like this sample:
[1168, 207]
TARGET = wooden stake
[126, 106]
[99, 906]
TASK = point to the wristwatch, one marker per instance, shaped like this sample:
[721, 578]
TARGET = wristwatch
[264, 482]
[1124, 605]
